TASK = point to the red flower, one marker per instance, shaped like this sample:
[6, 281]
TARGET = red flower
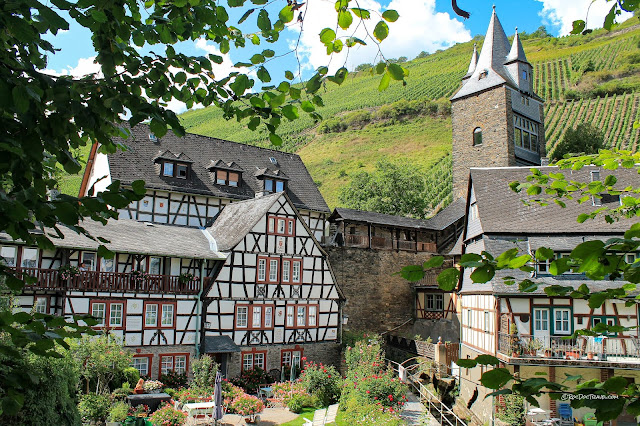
[390, 398]
[368, 391]
[375, 397]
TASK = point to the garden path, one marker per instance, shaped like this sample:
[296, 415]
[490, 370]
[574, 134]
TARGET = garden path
[414, 412]
[270, 416]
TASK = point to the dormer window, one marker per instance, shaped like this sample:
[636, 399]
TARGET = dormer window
[181, 171]
[483, 74]
[224, 177]
[167, 169]
[273, 185]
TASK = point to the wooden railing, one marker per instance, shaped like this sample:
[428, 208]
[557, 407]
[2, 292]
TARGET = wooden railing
[362, 241]
[583, 348]
[50, 279]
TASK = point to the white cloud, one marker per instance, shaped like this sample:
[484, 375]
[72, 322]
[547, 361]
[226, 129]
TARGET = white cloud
[562, 13]
[419, 28]
[85, 66]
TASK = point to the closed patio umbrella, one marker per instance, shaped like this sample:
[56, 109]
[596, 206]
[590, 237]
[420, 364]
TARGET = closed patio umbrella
[217, 415]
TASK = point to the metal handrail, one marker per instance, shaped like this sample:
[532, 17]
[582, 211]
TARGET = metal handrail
[447, 416]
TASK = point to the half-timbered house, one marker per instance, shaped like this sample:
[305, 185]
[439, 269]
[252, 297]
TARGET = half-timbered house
[527, 330]
[149, 294]
[190, 179]
[275, 300]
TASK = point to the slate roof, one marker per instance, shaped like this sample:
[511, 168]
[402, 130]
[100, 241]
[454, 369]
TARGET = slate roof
[499, 244]
[439, 222]
[474, 62]
[138, 163]
[131, 236]
[502, 211]
[237, 219]
[517, 51]
[492, 58]
[219, 344]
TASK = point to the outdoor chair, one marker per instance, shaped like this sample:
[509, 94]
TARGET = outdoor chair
[332, 413]
[318, 418]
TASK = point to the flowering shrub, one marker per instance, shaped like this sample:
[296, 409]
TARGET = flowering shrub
[250, 380]
[189, 395]
[68, 271]
[371, 393]
[321, 381]
[204, 371]
[174, 380]
[294, 395]
[168, 416]
[366, 356]
[247, 405]
[151, 385]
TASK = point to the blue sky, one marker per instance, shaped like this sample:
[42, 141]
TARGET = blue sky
[426, 25]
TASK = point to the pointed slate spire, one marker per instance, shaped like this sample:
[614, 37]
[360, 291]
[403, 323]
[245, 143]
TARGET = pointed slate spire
[496, 46]
[474, 61]
[490, 70]
[517, 52]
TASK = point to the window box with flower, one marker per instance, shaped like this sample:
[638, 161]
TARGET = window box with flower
[138, 277]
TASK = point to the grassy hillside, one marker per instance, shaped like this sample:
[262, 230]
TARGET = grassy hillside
[589, 78]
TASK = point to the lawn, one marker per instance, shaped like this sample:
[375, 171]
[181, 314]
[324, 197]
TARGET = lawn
[308, 413]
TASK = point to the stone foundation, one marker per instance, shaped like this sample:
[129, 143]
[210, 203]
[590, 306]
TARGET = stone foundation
[326, 353]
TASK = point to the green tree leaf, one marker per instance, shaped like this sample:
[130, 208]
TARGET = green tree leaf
[381, 31]
[345, 18]
[390, 15]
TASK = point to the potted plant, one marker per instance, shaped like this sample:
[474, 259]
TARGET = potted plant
[185, 278]
[138, 276]
[516, 346]
[118, 413]
[590, 355]
[153, 386]
[548, 352]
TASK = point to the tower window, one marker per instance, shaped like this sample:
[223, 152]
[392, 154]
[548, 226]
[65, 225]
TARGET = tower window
[524, 75]
[477, 136]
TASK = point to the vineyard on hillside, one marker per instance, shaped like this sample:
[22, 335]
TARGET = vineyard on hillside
[614, 116]
[553, 78]
[440, 183]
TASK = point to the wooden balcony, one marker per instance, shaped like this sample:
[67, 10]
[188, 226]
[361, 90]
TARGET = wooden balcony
[382, 243]
[584, 349]
[121, 282]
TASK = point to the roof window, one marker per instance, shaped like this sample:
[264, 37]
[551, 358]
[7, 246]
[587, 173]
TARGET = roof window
[273, 160]
[153, 137]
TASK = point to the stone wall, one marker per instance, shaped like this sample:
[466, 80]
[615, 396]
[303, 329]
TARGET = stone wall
[377, 299]
[326, 353]
[487, 110]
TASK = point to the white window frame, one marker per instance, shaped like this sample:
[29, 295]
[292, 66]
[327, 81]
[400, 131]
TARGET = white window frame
[242, 316]
[89, 259]
[116, 321]
[271, 226]
[487, 322]
[268, 317]
[166, 364]
[41, 305]
[556, 321]
[139, 363]
[301, 317]
[5, 255]
[166, 321]
[256, 320]
[540, 321]
[295, 267]
[312, 316]
[107, 265]
[259, 360]
[282, 224]
[273, 270]
[180, 364]
[151, 311]
[262, 269]
[286, 270]
[247, 362]
[290, 316]
[104, 311]
[290, 227]
[30, 259]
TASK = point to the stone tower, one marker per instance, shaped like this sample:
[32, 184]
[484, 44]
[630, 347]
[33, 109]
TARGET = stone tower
[497, 119]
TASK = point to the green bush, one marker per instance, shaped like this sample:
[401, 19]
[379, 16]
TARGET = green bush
[585, 138]
[131, 375]
[357, 413]
[332, 125]
[322, 381]
[168, 416]
[170, 391]
[299, 401]
[204, 371]
[250, 380]
[512, 410]
[51, 398]
[93, 407]
[118, 412]
[174, 380]
[358, 118]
